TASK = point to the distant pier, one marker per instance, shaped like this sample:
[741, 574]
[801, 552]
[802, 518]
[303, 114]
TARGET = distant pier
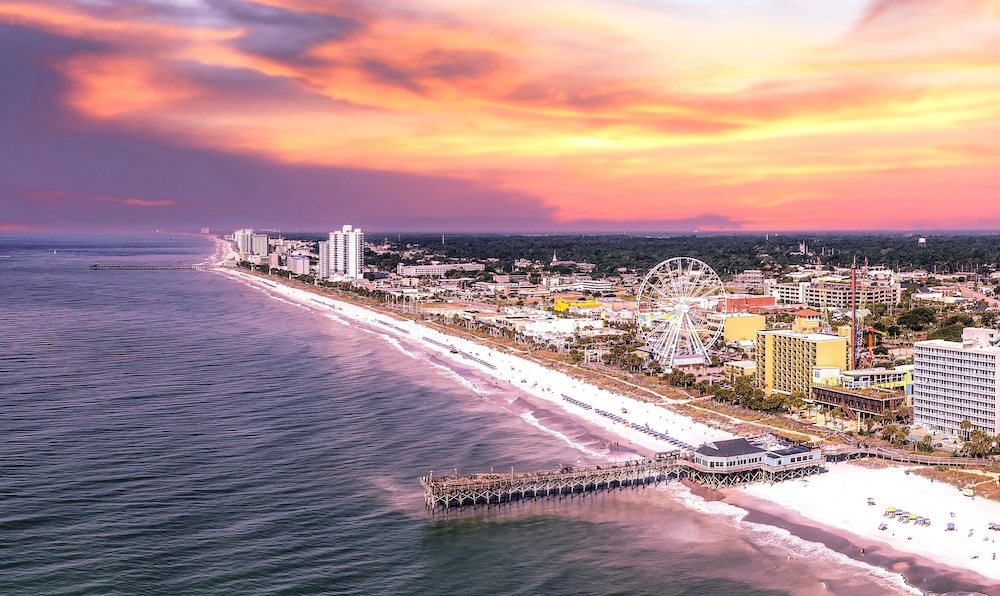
[147, 266]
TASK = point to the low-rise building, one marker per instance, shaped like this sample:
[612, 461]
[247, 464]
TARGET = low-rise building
[729, 454]
[738, 368]
[436, 269]
[595, 285]
[734, 455]
[871, 401]
[897, 379]
[807, 321]
[749, 303]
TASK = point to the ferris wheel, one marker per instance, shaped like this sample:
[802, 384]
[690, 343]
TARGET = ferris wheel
[680, 311]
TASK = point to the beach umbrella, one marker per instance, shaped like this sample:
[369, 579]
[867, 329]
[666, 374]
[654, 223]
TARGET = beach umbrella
[891, 509]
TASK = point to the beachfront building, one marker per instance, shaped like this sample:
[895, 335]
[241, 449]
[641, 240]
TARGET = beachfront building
[242, 238]
[736, 455]
[324, 260]
[896, 379]
[258, 245]
[729, 455]
[298, 264]
[346, 253]
[861, 402]
[956, 381]
[793, 455]
[785, 359]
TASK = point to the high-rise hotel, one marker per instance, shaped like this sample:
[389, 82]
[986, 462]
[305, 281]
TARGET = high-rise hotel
[343, 255]
[956, 381]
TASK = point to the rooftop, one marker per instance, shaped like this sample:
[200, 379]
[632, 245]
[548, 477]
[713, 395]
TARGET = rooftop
[793, 450]
[729, 448]
[804, 336]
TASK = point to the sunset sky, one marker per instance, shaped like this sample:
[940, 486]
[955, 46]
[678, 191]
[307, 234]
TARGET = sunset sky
[455, 115]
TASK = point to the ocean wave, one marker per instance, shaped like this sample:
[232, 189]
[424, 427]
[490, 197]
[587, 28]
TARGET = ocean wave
[456, 376]
[781, 538]
[530, 419]
[340, 320]
[395, 343]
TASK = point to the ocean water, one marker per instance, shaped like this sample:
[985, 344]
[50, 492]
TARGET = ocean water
[181, 432]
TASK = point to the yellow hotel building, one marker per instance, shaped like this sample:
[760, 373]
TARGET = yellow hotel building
[785, 359]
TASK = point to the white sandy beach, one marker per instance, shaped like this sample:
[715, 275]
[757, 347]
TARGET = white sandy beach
[839, 499]
[835, 499]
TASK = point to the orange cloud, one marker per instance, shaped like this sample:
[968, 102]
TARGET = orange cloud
[607, 110]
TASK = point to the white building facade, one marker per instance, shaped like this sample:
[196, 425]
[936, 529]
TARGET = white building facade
[956, 381]
[258, 244]
[243, 240]
[298, 264]
[324, 260]
[346, 250]
[436, 269]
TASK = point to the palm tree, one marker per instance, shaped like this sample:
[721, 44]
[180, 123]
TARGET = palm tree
[965, 425]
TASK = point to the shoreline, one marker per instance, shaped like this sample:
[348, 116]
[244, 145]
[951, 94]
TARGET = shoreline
[916, 569]
[929, 563]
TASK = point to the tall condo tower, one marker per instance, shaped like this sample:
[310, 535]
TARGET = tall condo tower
[324, 260]
[347, 253]
[243, 240]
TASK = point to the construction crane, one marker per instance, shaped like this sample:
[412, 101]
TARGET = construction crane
[824, 313]
[871, 331]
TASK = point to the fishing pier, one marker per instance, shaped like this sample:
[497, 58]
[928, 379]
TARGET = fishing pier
[715, 465]
[456, 492]
[146, 266]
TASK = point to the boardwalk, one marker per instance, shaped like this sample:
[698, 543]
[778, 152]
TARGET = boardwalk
[147, 266]
[859, 451]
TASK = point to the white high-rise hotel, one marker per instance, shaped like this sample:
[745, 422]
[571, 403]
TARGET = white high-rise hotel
[343, 255]
[955, 381]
